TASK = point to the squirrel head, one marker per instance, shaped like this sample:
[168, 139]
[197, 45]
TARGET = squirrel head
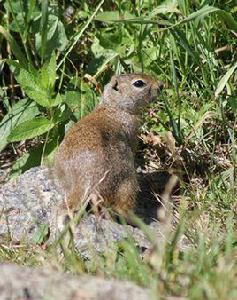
[131, 92]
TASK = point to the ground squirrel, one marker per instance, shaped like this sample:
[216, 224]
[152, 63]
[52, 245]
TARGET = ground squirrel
[95, 161]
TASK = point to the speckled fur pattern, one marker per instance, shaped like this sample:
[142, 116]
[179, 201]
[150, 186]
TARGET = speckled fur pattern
[96, 158]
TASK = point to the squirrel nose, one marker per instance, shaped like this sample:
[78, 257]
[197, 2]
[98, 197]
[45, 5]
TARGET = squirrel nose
[160, 85]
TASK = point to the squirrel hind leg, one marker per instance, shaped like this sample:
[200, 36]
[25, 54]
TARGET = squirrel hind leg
[75, 203]
[125, 198]
[68, 208]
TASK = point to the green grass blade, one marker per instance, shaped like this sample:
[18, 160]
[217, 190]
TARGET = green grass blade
[44, 27]
[222, 83]
[113, 16]
[31, 4]
[78, 36]
[14, 47]
[207, 10]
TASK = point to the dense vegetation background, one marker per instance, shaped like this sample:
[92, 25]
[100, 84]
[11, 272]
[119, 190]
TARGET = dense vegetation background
[55, 57]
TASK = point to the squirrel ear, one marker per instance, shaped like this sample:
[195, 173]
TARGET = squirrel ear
[114, 84]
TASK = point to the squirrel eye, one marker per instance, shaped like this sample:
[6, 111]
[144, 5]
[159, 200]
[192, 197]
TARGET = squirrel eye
[115, 86]
[139, 83]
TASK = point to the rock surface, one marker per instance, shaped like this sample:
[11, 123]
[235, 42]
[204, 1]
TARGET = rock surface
[29, 201]
[22, 283]
[26, 203]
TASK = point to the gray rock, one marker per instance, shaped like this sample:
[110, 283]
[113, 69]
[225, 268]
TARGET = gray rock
[29, 201]
[26, 203]
[23, 283]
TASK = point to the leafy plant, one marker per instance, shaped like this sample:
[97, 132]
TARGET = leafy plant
[55, 56]
[42, 34]
[167, 36]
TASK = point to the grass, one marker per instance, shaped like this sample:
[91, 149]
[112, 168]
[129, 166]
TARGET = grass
[190, 45]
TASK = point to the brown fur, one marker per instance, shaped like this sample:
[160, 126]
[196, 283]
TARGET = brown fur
[96, 158]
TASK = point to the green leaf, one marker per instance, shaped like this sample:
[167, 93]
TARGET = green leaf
[27, 161]
[32, 88]
[113, 16]
[233, 103]
[24, 110]
[62, 38]
[111, 40]
[40, 97]
[39, 85]
[31, 7]
[206, 10]
[47, 75]
[30, 129]
[44, 153]
[57, 100]
[73, 99]
[51, 147]
[222, 83]
[56, 37]
[61, 114]
[228, 19]
[166, 7]
[51, 70]
[14, 65]
[41, 234]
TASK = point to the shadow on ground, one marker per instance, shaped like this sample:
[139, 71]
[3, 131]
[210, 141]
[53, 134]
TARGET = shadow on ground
[151, 186]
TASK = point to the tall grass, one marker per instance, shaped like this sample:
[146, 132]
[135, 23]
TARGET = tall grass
[191, 46]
